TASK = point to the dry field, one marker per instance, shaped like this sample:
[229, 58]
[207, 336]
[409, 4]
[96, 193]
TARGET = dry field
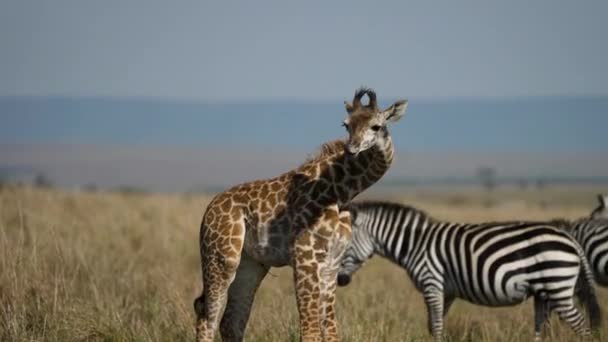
[125, 267]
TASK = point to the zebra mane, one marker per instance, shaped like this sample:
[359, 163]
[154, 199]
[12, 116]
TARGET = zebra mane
[355, 207]
[593, 221]
[562, 224]
[373, 205]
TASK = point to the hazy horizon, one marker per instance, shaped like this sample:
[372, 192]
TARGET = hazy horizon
[187, 169]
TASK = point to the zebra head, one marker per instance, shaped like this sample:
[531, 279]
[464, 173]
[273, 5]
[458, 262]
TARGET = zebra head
[350, 264]
[601, 211]
[366, 124]
[360, 249]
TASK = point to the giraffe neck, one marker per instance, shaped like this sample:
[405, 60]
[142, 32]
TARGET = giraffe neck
[366, 168]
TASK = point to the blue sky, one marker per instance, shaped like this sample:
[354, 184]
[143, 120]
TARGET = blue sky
[216, 51]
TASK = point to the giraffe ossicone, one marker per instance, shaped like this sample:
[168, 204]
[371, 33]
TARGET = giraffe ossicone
[294, 219]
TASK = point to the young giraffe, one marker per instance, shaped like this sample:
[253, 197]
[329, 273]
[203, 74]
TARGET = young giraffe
[294, 219]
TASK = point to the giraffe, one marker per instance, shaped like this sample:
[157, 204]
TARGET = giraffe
[294, 219]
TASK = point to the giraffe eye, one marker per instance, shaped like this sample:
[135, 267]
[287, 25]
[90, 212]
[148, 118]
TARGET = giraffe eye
[376, 128]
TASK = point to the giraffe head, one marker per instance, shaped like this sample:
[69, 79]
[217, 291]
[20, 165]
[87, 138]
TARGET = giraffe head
[601, 211]
[366, 123]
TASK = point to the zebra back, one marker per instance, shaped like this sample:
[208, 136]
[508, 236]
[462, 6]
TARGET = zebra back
[481, 261]
[491, 263]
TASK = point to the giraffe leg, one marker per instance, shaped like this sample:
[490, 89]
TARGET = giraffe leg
[220, 260]
[341, 239]
[210, 305]
[307, 285]
[313, 253]
[329, 323]
[241, 294]
[434, 300]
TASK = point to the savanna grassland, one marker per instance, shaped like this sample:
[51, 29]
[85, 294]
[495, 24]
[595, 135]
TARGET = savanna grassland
[78, 266]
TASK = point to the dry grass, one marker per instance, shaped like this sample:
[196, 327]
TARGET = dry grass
[115, 267]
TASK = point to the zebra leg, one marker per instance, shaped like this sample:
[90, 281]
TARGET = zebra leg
[541, 315]
[434, 299]
[568, 313]
[241, 294]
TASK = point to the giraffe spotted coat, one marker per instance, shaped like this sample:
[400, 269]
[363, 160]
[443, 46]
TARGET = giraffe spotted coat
[293, 219]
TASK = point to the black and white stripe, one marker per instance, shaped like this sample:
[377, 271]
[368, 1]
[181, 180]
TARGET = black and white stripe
[592, 234]
[493, 264]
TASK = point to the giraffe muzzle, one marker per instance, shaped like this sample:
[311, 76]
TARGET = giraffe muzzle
[353, 151]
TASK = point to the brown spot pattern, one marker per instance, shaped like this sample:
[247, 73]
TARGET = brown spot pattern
[300, 208]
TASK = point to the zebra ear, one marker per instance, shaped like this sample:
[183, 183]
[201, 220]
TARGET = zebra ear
[353, 213]
[603, 199]
[600, 211]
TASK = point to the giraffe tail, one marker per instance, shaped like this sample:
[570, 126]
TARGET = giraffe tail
[199, 305]
[199, 302]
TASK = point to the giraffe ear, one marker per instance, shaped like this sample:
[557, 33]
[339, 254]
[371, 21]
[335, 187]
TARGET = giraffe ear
[395, 111]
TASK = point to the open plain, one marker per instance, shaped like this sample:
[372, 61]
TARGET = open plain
[110, 266]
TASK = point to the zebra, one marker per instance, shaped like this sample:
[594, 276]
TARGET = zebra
[492, 264]
[600, 211]
[592, 234]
